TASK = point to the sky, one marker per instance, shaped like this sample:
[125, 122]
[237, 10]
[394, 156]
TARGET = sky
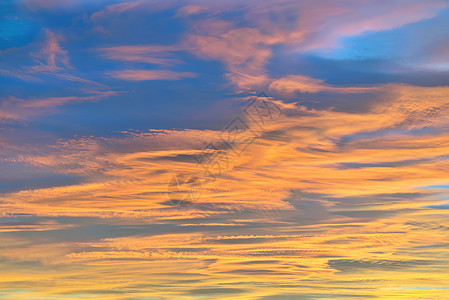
[254, 150]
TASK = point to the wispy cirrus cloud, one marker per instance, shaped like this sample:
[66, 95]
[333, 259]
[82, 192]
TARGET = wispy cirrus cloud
[51, 58]
[143, 75]
[52, 61]
[115, 9]
[17, 109]
[151, 54]
[52, 54]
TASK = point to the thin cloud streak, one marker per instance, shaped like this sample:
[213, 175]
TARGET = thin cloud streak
[143, 75]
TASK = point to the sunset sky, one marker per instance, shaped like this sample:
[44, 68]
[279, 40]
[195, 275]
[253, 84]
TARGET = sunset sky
[222, 149]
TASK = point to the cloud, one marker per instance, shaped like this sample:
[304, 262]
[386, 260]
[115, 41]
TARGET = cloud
[52, 63]
[314, 143]
[32, 226]
[291, 84]
[325, 198]
[311, 27]
[311, 233]
[17, 109]
[243, 51]
[151, 54]
[115, 9]
[52, 4]
[189, 10]
[52, 58]
[143, 75]
[53, 55]
[314, 296]
[215, 291]
[346, 265]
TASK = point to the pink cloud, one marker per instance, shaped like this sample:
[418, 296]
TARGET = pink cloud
[17, 109]
[311, 26]
[115, 9]
[244, 51]
[51, 4]
[142, 75]
[52, 57]
[380, 17]
[152, 54]
[189, 10]
[58, 101]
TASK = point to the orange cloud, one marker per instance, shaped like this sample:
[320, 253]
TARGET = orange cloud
[362, 211]
[291, 84]
[323, 203]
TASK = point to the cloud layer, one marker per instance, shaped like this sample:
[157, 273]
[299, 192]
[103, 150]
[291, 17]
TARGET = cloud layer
[333, 187]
